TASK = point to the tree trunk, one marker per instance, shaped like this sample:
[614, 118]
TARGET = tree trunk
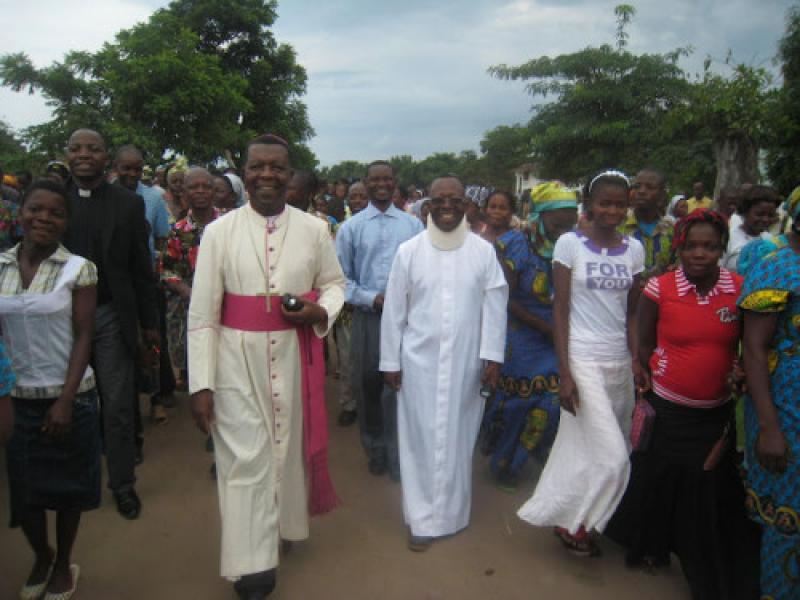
[737, 161]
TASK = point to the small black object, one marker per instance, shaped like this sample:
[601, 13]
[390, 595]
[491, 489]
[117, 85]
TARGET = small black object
[292, 303]
[486, 391]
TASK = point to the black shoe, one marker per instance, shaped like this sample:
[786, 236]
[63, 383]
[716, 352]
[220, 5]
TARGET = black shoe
[256, 586]
[419, 543]
[128, 504]
[347, 418]
[377, 466]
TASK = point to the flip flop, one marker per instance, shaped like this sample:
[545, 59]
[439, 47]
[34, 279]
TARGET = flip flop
[75, 571]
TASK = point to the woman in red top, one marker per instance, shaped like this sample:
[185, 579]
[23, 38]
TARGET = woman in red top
[685, 494]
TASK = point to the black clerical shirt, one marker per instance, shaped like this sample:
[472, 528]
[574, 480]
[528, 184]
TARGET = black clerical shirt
[86, 233]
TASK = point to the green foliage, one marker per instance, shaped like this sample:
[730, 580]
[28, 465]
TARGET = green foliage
[729, 106]
[347, 169]
[199, 78]
[608, 109]
[782, 136]
[505, 148]
[624, 14]
[613, 108]
[13, 155]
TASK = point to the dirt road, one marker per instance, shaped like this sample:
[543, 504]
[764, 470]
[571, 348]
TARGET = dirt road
[357, 552]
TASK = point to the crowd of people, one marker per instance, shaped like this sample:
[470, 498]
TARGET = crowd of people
[608, 333]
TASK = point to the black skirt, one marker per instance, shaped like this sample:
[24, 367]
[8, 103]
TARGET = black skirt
[55, 475]
[672, 504]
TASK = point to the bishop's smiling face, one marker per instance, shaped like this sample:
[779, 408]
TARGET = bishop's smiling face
[447, 203]
[266, 175]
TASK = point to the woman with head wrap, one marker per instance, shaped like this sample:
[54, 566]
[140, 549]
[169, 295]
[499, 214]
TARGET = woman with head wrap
[685, 494]
[238, 188]
[771, 304]
[522, 416]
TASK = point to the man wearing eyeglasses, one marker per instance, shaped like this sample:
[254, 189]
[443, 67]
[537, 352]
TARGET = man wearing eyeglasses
[443, 336]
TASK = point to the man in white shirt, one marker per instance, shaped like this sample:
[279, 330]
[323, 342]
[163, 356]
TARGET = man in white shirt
[443, 334]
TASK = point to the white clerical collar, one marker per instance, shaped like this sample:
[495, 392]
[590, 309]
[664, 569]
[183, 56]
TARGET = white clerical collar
[84, 193]
[448, 240]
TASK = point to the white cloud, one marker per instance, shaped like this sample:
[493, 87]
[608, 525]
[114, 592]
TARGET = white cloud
[410, 77]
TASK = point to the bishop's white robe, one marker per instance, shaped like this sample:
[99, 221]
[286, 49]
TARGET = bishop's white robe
[255, 376]
[444, 314]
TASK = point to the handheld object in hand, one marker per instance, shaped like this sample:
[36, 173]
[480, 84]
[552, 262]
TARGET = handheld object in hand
[292, 303]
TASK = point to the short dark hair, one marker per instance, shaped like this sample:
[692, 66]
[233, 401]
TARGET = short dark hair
[756, 194]
[49, 185]
[662, 179]
[127, 149]
[265, 139]
[308, 179]
[380, 163]
[512, 201]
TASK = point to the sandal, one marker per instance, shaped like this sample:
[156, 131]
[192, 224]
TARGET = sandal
[580, 544]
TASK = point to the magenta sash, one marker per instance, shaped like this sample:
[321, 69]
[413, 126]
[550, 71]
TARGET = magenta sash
[249, 313]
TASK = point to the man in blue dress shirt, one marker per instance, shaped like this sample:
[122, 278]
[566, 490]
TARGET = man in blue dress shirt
[366, 245]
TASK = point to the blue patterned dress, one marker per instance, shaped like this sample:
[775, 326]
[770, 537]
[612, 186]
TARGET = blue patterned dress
[522, 417]
[773, 286]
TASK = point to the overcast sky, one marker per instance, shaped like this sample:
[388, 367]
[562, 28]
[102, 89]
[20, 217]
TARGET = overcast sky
[409, 77]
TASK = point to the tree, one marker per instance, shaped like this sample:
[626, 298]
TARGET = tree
[730, 111]
[505, 148]
[347, 169]
[13, 155]
[609, 107]
[199, 78]
[783, 129]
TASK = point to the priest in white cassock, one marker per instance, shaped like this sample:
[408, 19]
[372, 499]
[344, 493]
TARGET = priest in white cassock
[256, 370]
[443, 334]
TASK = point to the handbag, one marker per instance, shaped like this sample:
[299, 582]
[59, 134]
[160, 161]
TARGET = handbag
[644, 417]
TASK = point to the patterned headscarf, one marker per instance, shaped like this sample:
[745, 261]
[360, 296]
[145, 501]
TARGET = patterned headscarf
[792, 204]
[700, 215]
[545, 197]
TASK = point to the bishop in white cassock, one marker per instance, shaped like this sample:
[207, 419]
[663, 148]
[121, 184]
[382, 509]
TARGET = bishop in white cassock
[247, 375]
[443, 334]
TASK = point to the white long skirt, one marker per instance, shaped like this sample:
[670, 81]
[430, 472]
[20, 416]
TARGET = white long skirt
[588, 468]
